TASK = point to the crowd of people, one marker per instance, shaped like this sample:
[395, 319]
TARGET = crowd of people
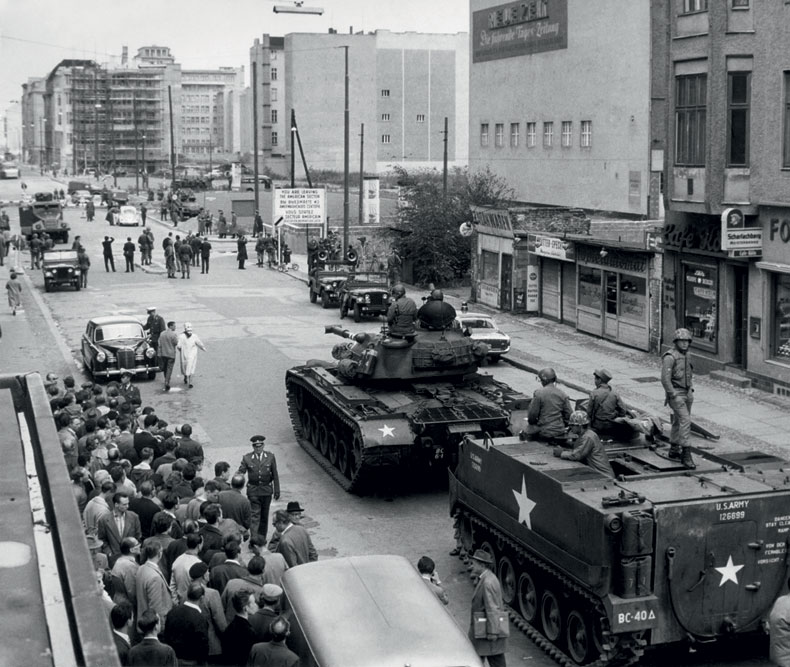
[182, 560]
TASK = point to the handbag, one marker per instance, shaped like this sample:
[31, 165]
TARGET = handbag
[499, 621]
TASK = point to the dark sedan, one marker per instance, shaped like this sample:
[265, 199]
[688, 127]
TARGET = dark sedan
[117, 342]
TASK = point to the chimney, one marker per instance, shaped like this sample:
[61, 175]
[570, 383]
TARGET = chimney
[124, 55]
[351, 30]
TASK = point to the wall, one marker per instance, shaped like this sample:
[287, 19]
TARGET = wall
[604, 76]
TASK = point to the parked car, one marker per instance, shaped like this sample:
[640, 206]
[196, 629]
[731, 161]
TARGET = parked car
[74, 186]
[117, 342]
[9, 170]
[325, 283]
[365, 294]
[81, 197]
[60, 267]
[129, 215]
[119, 198]
[483, 327]
[185, 205]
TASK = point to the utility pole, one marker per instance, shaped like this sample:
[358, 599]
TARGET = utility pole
[172, 140]
[136, 141]
[96, 106]
[361, 168]
[444, 170]
[255, 129]
[293, 148]
[345, 158]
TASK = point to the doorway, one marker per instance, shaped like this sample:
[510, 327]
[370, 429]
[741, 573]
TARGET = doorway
[740, 315]
[506, 283]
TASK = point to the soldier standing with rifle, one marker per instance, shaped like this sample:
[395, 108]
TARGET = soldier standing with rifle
[676, 377]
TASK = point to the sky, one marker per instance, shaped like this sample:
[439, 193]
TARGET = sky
[35, 35]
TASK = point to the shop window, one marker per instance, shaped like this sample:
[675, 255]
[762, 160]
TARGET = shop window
[738, 118]
[590, 293]
[690, 119]
[633, 298]
[700, 303]
[489, 267]
[781, 323]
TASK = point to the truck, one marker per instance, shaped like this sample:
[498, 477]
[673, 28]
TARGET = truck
[43, 214]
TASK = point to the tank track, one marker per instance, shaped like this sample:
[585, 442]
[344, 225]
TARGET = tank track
[617, 651]
[357, 482]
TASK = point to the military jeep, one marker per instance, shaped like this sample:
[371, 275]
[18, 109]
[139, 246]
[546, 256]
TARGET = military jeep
[60, 267]
[365, 294]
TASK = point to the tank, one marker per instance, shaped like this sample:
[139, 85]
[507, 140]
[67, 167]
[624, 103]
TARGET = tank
[388, 402]
[598, 569]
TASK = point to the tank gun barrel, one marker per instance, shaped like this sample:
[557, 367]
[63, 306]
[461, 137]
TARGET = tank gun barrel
[337, 331]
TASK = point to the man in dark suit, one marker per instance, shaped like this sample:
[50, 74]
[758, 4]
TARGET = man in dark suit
[274, 653]
[120, 523]
[295, 544]
[150, 652]
[189, 449]
[239, 636]
[144, 438]
[231, 569]
[145, 507]
[212, 537]
[121, 619]
[186, 628]
[233, 503]
[263, 483]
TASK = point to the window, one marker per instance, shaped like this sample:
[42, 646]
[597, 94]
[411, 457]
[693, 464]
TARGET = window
[514, 132]
[484, 134]
[780, 345]
[420, 117]
[489, 267]
[586, 134]
[274, 94]
[740, 4]
[690, 119]
[274, 138]
[272, 55]
[532, 135]
[567, 134]
[700, 303]
[385, 118]
[274, 74]
[691, 6]
[499, 135]
[738, 96]
[385, 138]
[548, 134]
[274, 115]
[590, 291]
[786, 150]
[633, 298]
[385, 92]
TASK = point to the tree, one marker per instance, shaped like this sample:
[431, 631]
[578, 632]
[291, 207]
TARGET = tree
[428, 221]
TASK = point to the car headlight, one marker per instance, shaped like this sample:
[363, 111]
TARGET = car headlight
[101, 357]
[48, 273]
[150, 353]
[334, 285]
[367, 298]
[71, 270]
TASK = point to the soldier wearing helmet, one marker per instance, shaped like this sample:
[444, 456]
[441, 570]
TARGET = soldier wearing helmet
[402, 313]
[605, 406]
[549, 410]
[587, 448]
[676, 377]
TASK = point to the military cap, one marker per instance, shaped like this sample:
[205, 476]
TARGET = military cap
[603, 374]
[271, 593]
[150, 308]
[257, 438]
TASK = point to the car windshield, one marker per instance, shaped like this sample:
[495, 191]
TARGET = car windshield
[60, 256]
[118, 331]
[128, 211]
[367, 277]
[478, 323]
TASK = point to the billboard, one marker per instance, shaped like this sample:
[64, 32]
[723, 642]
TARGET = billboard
[300, 207]
[519, 28]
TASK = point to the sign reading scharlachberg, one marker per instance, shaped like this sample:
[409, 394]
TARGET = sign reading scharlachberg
[519, 28]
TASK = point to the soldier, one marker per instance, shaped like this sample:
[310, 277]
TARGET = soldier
[676, 377]
[605, 406]
[155, 326]
[402, 313]
[549, 410]
[185, 258]
[262, 483]
[84, 264]
[587, 448]
[35, 252]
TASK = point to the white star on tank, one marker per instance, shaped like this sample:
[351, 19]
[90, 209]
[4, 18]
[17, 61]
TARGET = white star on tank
[387, 431]
[525, 505]
[729, 572]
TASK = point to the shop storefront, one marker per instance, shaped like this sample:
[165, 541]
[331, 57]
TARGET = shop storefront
[493, 263]
[553, 277]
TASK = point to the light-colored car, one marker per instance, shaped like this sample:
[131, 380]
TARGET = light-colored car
[97, 201]
[9, 170]
[81, 197]
[128, 215]
[483, 327]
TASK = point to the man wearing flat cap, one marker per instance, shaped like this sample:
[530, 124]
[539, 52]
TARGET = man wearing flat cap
[605, 406]
[262, 483]
[488, 630]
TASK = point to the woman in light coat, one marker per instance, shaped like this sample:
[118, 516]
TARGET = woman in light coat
[188, 344]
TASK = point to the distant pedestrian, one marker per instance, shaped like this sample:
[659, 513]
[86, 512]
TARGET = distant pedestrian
[185, 258]
[170, 260]
[85, 265]
[155, 326]
[195, 242]
[128, 254]
[241, 255]
[90, 210]
[188, 344]
[209, 223]
[109, 217]
[222, 225]
[488, 629]
[163, 209]
[260, 249]
[205, 255]
[168, 342]
[143, 212]
[14, 290]
[3, 248]
[234, 224]
[676, 377]
[36, 247]
[257, 227]
[109, 260]
[427, 569]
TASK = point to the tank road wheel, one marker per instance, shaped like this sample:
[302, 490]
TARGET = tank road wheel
[355, 457]
[314, 424]
[550, 616]
[307, 425]
[527, 597]
[298, 395]
[578, 637]
[507, 578]
[344, 458]
[313, 296]
[488, 547]
[322, 438]
[331, 452]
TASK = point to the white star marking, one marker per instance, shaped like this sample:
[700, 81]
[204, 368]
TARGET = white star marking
[387, 431]
[729, 572]
[525, 505]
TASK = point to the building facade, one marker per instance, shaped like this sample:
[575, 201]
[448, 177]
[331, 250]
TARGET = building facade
[267, 59]
[727, 235]
[561, 103]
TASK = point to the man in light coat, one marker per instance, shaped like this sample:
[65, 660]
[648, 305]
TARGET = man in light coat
[487, 603]
[152, 590]
[295, 543]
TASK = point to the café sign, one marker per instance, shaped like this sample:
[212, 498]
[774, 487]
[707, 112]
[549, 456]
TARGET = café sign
[550, 246]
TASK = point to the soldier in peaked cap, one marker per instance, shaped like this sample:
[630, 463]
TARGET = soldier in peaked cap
[262, 483]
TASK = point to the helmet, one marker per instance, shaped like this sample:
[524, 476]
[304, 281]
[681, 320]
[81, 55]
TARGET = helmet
[682, 334]
[437, 295]
[398, 290]
[547, 375]
[579, 418]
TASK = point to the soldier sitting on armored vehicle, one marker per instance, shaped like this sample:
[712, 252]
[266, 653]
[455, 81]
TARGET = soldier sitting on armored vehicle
[402, 313]
[435, 314]
[605, 407]
[549, 411]
[587, 447]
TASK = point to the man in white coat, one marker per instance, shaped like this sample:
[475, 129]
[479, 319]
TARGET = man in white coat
[188, 344]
